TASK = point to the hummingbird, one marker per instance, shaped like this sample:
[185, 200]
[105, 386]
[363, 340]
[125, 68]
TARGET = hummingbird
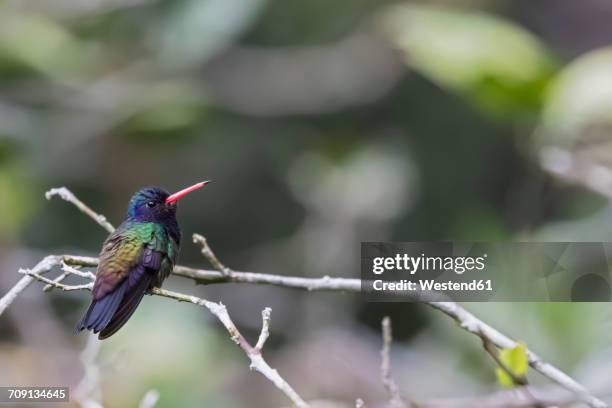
[137, 257]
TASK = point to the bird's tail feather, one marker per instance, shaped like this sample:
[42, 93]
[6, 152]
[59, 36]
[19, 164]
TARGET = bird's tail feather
[102, 310]
[110, 313]
[128, 305]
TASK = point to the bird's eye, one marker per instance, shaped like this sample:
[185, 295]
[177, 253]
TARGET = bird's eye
[151, 204]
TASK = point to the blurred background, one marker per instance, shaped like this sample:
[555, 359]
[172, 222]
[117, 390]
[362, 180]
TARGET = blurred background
[323, 124]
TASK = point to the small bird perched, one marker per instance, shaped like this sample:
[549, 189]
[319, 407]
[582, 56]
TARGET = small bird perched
[135, 258]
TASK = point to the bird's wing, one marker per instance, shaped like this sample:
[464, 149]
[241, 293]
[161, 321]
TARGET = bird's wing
[129, 261]
[120, 253]
[170, 249]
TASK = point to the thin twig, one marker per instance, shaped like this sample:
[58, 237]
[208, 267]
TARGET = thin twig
[54, 283]
[67, 271]
[60, 278]
[44, 266]
[253, 353]
[70, 270]
[265, 329]
[210, 255]
[396, 400]
[67, 195]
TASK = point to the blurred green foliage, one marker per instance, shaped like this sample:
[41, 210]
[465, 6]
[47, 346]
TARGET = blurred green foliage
[31, 42]
[499, 65]
[267, 98]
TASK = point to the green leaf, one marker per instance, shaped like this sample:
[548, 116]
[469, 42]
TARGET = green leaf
[39, 43]
[515, 359]
[496, 63]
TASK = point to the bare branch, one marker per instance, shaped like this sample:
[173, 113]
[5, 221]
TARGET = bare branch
[265, 329]
[210, 255]
[466, 320]
[324, 283]
[207, 277]
[42, 267]
[60, 278]
[69, 270]
[253, 353]
[67, 195]
[54, 283]
[388, 381]
[220, 311]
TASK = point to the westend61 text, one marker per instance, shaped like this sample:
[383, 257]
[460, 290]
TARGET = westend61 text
[432, 285]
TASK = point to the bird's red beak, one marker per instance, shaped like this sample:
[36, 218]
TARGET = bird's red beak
[180, 194]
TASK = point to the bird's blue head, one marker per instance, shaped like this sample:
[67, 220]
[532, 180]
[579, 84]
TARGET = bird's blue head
[149, 205]
[153, 204]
